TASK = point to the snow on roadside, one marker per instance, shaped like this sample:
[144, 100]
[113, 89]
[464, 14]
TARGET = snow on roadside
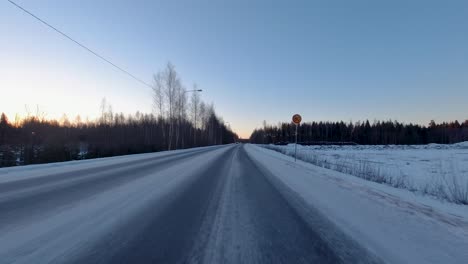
[395, 224]
[9, 174]
[434, 169]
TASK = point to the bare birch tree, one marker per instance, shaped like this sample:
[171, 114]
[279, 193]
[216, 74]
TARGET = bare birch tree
[159, 102]
[158, 95]
[171, 83]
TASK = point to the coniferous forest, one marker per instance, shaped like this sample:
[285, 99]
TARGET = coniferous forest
[365, 133]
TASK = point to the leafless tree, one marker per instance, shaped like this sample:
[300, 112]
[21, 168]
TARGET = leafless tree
[171, 85]
[103, 109]
[158, 94]
[180, 111]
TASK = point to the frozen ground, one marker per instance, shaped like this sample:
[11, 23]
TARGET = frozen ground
[436, 170]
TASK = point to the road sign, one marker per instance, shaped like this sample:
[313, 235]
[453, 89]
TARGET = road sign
[297, 119]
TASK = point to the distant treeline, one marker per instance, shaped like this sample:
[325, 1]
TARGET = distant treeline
[365, 133]
[43, 141]
[175, 124]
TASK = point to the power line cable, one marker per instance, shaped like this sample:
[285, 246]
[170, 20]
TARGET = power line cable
[81, 45]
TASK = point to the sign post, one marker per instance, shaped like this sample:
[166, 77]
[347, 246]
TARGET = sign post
[296, 120]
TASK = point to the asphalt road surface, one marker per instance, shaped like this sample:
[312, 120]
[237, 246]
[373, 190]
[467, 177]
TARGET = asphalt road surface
[206, 205]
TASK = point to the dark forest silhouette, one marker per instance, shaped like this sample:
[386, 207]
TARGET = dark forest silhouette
[365, 133]
[40, 141]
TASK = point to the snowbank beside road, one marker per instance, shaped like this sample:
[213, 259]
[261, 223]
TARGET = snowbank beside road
[437, 170]
[394, 224]
[9, 174]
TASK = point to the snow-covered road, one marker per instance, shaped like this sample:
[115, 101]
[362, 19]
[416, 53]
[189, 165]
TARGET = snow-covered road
[229, 204]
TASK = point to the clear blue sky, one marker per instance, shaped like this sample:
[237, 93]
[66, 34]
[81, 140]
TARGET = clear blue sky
[255, 60]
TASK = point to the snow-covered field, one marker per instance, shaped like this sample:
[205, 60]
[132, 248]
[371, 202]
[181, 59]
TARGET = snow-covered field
[437, 170]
